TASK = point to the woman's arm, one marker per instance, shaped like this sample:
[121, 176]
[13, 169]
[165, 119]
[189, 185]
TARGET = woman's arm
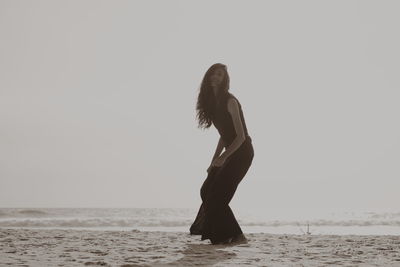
[233, 108]
[219, 148]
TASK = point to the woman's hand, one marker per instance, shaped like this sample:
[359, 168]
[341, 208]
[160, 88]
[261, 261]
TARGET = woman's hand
[209, 168]
[219, 161]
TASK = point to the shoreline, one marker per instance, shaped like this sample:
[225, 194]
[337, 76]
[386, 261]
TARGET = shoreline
[279, 230]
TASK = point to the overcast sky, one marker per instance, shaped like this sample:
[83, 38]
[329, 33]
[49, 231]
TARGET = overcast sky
[97, 102]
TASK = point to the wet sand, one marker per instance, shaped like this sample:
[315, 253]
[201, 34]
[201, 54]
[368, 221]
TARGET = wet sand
[58, 247]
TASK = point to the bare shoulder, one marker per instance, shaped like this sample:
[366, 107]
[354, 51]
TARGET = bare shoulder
[233, 102]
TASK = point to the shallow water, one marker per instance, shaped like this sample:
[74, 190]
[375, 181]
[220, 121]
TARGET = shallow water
[179, 220]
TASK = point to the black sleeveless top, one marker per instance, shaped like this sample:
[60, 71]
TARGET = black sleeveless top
[224, 123]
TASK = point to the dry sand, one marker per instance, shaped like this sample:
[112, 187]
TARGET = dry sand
[57, 247]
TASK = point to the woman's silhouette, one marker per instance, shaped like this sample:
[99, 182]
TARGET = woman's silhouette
[217, 106]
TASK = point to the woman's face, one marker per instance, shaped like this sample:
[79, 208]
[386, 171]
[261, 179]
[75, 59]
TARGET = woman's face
[217, 77]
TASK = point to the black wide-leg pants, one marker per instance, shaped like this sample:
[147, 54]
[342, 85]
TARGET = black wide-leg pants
[215, 219]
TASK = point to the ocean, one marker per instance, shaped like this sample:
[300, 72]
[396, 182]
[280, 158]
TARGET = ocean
[180, 219]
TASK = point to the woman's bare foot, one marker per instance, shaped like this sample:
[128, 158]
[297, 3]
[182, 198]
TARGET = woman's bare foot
[224, 242]
[227, 241]
[239, 239]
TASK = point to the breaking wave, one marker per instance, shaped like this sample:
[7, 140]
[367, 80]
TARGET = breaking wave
[128, 222]
[175, 219]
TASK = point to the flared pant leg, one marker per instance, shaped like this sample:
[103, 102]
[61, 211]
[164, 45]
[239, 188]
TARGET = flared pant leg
[218, 190]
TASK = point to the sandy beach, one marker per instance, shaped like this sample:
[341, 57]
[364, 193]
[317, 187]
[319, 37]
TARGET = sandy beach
[59, 247]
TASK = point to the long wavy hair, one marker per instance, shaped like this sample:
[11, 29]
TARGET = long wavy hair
[206, 100]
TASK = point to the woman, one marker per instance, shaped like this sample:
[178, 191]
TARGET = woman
[217, 106]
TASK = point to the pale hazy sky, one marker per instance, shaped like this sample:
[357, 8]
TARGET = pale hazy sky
[97, 102]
